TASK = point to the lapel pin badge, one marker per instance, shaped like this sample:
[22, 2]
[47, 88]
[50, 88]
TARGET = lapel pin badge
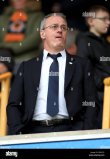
[70, 63]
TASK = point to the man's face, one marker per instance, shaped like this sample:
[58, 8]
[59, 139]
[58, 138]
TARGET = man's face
[54, 34]
[100, 23]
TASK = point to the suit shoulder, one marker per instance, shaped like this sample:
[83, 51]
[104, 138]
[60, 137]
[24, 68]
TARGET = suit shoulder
[33, 60]
[29, 62]
[79, 58]
[26, 64]
[83, 61]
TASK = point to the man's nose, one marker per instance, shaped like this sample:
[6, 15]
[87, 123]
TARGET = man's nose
[60, 28]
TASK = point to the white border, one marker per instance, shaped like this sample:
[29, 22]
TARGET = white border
[55, 136]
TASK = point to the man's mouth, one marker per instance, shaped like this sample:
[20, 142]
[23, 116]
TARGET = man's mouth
[58, 37]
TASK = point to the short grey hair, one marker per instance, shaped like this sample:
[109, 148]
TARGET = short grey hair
[43, 22]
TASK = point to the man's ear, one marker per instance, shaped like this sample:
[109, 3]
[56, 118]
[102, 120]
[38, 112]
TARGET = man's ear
[89, 21]
[42, 34]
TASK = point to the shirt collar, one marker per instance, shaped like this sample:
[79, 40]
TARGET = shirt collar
[45, 53]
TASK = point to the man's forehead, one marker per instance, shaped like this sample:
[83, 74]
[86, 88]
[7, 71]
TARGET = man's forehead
[101, 12]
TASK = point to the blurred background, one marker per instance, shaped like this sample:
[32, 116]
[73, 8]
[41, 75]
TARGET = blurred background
[73, 9]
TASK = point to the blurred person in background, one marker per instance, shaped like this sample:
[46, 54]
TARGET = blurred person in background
[6, 60]
[20, 28]
[93, 46]
[56, 7]
[71, 42]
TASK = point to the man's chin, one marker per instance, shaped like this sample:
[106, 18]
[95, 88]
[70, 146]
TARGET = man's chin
[106, 30]
[59, 45]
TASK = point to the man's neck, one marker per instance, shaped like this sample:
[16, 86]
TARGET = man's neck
[95, 32]
[54, 51]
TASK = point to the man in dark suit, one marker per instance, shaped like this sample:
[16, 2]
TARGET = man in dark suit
[54, 91]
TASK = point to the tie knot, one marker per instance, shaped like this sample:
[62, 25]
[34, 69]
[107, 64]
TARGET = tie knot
[54, 56]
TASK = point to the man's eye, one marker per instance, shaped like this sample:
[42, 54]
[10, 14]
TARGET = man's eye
[54, 26]
[64, 27]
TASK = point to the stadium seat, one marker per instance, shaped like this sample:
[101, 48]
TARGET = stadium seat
[106, 104]
[4, 93]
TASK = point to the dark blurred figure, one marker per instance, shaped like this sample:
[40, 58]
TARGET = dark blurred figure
[93, 46]
[20, 28]
[3, 3]
[7, 62]
[56, 7]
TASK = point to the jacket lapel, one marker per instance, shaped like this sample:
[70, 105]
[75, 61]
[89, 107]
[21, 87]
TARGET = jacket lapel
[36, 70]
[70, 68]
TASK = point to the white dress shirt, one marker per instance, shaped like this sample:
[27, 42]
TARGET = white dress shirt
[41, 101]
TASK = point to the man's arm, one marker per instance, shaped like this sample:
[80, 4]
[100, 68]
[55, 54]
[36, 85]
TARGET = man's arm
[15, 107]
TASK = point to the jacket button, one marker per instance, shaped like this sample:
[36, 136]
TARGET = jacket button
[20, 103]
[71, 118]
[20, 73]
[89, 73]
[89, 43]
[71, 58]
[71, 88]
[37, 59]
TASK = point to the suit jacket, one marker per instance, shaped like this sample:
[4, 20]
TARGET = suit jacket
[79, 88]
